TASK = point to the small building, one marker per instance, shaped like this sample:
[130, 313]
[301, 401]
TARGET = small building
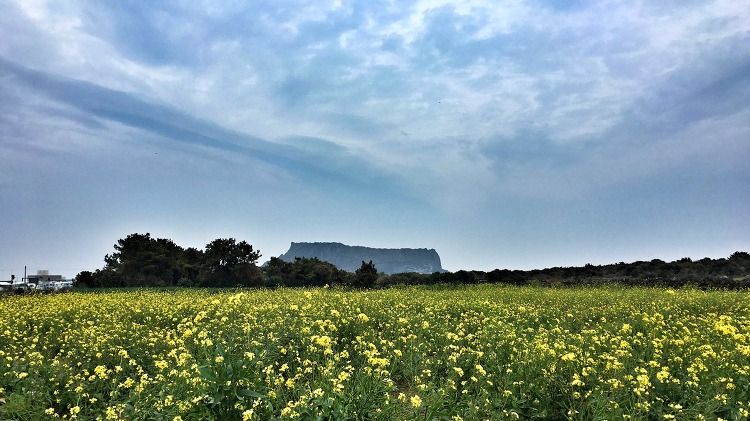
[43, 277]
[43, 280]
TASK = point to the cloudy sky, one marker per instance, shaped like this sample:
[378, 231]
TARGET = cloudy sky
[503, 134]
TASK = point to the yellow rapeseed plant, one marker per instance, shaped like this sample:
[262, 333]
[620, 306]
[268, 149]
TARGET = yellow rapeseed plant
[479, 352]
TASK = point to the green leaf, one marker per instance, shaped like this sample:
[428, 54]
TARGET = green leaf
[249, 393]
[229, 372]
[208, 373]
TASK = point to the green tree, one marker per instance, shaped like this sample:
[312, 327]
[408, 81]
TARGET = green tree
[303, 271]
[366, 275]
[85, 278]
[277, 272]
[131, 261]
[228, 263]
[140, 260]
[189, 267]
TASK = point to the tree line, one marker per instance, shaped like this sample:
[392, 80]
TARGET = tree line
[140, 260]
[729, 273]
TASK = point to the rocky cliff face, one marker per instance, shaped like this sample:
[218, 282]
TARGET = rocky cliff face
[350, 258]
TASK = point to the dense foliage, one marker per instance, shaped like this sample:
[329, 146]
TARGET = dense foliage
[446, 353]
[140, 260]
[732, 272]
[304, 272]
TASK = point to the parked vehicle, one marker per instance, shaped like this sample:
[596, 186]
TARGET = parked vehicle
[55, 285]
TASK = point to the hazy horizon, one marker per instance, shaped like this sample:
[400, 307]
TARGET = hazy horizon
[65, 272]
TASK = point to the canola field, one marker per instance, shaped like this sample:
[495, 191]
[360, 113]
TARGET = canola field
[447, 353]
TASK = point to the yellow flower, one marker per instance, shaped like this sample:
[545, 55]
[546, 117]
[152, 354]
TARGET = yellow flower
[663, 375]
[416, 401]
[480, 370]
[568, 357]
[577, 381]
[323, 341]
[101, 371]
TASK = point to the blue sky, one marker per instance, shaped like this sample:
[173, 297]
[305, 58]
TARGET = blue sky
[518, 134]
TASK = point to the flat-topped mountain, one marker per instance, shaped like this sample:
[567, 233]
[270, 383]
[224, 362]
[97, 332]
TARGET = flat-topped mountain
[350, 258]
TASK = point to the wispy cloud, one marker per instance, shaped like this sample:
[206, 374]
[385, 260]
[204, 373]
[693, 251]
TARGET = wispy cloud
[306, 159]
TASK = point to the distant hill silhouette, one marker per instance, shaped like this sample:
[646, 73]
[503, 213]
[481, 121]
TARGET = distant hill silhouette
[386, 260]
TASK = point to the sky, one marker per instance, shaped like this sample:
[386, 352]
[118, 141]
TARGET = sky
[512, 135]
